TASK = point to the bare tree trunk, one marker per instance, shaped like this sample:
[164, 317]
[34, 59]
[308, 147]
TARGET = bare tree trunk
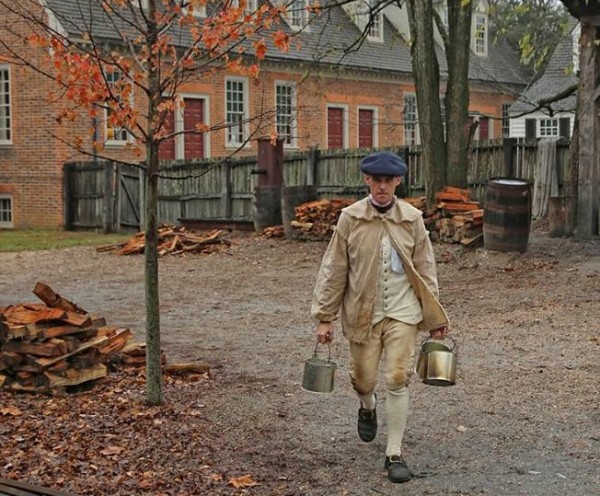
[154, 394]
[457, 91]
[427, 81]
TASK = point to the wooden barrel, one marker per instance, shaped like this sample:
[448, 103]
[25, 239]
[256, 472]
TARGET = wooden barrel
[507, 215]
[267, 207]
[291, 197]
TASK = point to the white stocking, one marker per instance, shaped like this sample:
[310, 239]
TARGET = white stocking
[397, 404]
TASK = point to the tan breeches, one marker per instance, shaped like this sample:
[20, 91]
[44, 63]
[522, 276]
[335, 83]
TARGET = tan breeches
[396, 342]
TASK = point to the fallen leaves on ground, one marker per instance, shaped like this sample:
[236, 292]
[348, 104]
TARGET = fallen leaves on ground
[106, 440]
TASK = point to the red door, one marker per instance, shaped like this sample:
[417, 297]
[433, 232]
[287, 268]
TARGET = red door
[335, 128]
[365, 128]
[193, 114]
[166, 150]
[484, 128]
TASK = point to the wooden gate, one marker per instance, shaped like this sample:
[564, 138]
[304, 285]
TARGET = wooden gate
[103, 196]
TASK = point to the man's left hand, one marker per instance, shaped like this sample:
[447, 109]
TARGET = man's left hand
[439, 332]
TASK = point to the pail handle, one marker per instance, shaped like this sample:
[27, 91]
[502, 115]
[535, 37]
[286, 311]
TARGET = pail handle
[328, 348]
[429, 338]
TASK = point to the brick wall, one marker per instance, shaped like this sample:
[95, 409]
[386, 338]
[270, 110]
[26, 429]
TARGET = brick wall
[31, 167]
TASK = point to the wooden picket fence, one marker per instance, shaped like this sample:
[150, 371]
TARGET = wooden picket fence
[108, 196]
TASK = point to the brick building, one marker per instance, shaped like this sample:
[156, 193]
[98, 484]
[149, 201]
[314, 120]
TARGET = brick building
[319, 95]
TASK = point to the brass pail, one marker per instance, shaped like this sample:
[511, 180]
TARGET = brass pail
[427, 346]
[319, 373]
[436, 364]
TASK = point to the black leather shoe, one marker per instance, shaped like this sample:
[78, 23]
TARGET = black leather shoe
[397, 469]
[367, 424]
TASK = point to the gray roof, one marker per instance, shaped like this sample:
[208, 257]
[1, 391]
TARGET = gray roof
[557, 77]
[327, 41]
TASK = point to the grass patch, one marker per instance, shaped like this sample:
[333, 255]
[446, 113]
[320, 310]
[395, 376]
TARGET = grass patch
[47, 239]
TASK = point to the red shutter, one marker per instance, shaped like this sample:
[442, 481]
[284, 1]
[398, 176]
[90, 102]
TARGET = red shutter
[335, 128]
[166, 151]
[193, 114]
[365, 128]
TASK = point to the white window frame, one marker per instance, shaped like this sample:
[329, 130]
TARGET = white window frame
[344, 108]
[198, 11]
[231, 143]
[375, 124]
[9, 223]
[290, 141]
[363, 13]
[251, 6]
[297, 14]
[547, 127]
[179, 128]
[6, 127]
[126, 137]
[415, 139]
[480, 34]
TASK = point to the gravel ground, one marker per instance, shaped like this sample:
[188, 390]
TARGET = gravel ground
[523, 418]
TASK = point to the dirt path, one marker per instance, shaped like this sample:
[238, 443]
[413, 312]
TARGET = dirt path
[524, 417]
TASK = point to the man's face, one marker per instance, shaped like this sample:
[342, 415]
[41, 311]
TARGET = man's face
[382, 188]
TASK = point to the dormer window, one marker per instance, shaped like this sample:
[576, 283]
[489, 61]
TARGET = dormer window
[197, 9]
[297, 14]
[251, 6]
[370, 19]
[480, 34]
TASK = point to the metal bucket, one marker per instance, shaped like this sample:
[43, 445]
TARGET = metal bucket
[436, 365]
[319, 373]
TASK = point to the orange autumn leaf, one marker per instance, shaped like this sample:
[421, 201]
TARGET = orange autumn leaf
[281, 40]
[243, 481]
[260, 48]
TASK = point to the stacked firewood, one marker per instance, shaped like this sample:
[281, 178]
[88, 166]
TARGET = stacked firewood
[456, 218]
[419, 202]
[174, 241]
[317, 219]
[54, 344]
[273, 232]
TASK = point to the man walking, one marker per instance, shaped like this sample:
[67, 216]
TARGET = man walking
[379, 269]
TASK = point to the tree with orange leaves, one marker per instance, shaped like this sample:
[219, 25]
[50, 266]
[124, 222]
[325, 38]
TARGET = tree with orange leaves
[106, 52]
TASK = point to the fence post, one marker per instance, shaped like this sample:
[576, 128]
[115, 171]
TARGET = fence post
[107, 207]
[67, 195]
[142, 182]
[509, 163]
[311, 169]
[226, 188]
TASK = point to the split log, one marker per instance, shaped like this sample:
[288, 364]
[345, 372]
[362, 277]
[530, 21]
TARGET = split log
[186, 368]
[73, 377]
[54, 300]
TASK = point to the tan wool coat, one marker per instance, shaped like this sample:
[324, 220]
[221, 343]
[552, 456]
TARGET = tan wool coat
[347, 278]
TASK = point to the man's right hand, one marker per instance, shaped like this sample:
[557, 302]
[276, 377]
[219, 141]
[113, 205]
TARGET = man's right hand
[324, 332]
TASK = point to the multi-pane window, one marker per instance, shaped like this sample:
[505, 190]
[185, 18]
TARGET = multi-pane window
[297, 14]
[5, 117]
[114, 132]
[285, 95]
[410, 120]
[370, 20]
[236, 111]
[505, 120]
[6, 211]
[480, 35]
[548, 127]
[251, 5]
